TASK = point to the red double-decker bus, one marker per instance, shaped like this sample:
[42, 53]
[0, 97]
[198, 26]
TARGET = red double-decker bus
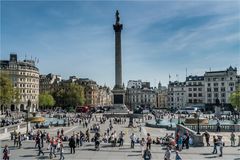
[82, 109]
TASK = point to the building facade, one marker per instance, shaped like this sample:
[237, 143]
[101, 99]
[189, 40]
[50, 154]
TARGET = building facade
[220, 85]
[140, 93]
[25, 78]
[47, 83]
[195, 90]
[176, 94]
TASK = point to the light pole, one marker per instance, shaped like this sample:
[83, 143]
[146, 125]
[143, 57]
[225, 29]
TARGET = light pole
[179, 114]
[28, 107]
[198, 115]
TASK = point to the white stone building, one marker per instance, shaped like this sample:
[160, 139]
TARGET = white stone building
[25, 77]
[220, 84]
[176, 94]
[195, 90]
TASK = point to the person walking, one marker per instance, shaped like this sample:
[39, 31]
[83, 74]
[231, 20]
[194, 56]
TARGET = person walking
[40, 150]
[178, 157]
[147, 154]
[121, 135]
[149, 141]
[220, 144]
[6, 153]
[19, 140]
[61, 152]
[133, 140]
[218, 126]
[143, 145]
[232, 139]
[207, 137]
[167, 155]
[179, 143]
[214, 145]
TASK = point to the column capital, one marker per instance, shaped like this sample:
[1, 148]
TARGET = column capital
[117, 27]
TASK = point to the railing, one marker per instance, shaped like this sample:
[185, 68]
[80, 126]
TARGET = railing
[213, 128]
[11, 128]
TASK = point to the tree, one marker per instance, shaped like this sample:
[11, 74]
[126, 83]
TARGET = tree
[69, 95]
[46, 100]
[6, 90]
[235, 99]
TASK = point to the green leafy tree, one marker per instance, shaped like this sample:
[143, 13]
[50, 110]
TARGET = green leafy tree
[46, 100]
[6, 90]
[69, 95]
[235, 99]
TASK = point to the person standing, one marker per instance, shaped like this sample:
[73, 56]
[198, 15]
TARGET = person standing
[149, 141]
[179, 143]
[218, 126]
[214, 145]
[61, 152]
[207, 137]
[6, 153]
[72, 145]
[232, 139]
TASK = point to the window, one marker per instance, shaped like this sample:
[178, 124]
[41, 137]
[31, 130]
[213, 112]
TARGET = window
[209, 95]
[222, 84]
[222, 79]
[209, 84]
[194, 83]
[215, 84]
[189, 89]
[215, 89]
[194, 89]
[199, 89]
[199, 94]
[209, 79]
[190, 100]
[223, 100]
[215, 79]
[231, 88]
[231, 78]
[189, 83]
[195, 95]
[195, 100]
[222, 89]
[199, 83]
[215, 94]
[209, 89]
[223, 94]
[190, 95]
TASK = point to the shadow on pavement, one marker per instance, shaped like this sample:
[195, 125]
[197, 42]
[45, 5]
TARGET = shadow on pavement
[212, 157]
[43, 157]
[206, 154]
[28, 156]
[133, 155]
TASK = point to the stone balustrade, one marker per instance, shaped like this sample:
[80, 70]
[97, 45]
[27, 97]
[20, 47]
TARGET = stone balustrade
[197, 139]
[213, 128]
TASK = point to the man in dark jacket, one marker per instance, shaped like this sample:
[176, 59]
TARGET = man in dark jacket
[72, 144]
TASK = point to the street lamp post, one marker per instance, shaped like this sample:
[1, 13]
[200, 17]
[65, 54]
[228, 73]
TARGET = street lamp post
[28, 107]
[198, 115]
[179, 115]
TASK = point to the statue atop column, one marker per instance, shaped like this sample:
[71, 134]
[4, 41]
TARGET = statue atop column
[117, 17]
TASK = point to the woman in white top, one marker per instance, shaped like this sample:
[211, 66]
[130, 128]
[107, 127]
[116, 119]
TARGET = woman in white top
[143, 145]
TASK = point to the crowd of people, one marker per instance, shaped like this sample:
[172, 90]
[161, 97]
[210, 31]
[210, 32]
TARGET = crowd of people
[174, 143]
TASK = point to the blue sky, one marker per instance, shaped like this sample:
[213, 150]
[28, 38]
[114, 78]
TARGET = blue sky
[158, 37]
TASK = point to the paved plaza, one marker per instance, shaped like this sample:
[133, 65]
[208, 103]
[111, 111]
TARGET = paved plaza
[87, 151]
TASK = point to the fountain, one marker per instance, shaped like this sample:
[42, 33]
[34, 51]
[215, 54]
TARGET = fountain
[194, 120]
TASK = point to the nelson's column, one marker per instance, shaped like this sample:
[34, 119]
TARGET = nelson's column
[118, 90]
